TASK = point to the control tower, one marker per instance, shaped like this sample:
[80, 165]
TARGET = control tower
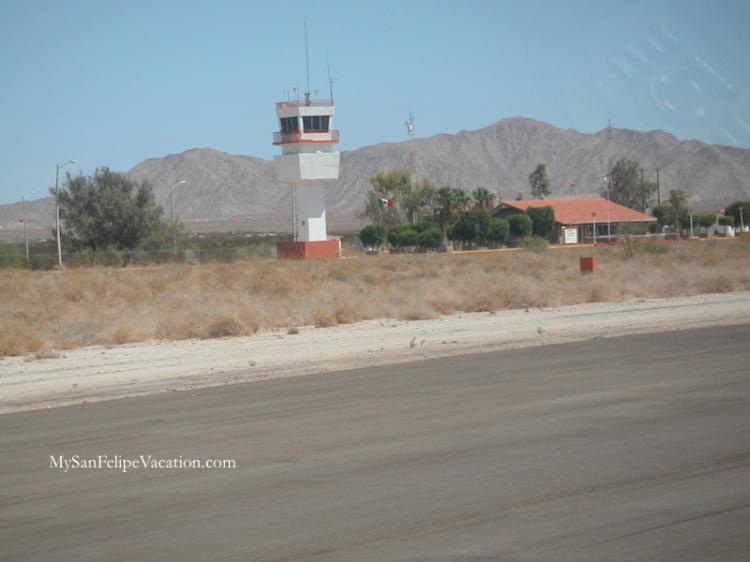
[307, 163]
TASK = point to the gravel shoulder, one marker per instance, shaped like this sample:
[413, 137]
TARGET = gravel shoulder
[105, 373]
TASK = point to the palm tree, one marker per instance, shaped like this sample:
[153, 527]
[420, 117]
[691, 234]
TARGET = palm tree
[464, 201]
[483, 198]
[449, 200]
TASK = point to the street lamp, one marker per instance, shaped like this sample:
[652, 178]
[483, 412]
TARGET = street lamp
[171, 212]
[26, 223]
[57, 210]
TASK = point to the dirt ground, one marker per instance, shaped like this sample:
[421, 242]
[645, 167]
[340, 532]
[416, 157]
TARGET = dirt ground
[104, 373]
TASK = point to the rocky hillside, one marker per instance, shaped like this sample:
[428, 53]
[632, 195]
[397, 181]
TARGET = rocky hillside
[228, 192]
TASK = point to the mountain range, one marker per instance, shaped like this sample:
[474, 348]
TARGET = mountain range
[233, 192]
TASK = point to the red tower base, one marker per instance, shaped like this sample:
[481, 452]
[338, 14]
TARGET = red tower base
[318, 250]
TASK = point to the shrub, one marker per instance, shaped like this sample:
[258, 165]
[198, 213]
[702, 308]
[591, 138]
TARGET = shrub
[430, 239]
[11, 256]
[497, 232]
[372, 236]
[542, 221]
[472, 226]
[520, 225]
[726, 221]
[403, 236]
[534, 244]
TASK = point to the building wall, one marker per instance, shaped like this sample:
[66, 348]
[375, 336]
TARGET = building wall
[310, 166]
[311, 212]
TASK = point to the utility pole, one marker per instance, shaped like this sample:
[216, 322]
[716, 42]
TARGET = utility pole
[658, 189]
[643, 195]
[57, 210]
[171, 215]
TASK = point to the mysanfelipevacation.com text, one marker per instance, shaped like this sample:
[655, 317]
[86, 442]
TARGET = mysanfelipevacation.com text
[140, 462]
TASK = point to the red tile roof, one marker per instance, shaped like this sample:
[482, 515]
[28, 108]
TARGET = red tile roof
[580, 211]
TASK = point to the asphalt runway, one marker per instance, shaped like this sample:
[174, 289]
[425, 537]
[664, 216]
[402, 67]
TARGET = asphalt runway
[623, 449]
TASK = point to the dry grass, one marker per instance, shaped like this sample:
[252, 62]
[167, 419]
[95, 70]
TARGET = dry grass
[78, 307]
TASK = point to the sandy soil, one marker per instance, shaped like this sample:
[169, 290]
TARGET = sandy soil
[99, 373]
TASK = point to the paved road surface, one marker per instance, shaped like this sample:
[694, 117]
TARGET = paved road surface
[635, 448]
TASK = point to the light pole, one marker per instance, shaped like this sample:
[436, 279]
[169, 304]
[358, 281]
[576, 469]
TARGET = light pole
[57, 210]
[593, 216]
[26, 223]
[171, 213]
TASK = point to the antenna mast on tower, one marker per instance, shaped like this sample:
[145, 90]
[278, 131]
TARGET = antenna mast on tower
[307, 68]
[330, 80]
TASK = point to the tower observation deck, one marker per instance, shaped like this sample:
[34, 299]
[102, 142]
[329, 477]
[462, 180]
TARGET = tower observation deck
[307, 163]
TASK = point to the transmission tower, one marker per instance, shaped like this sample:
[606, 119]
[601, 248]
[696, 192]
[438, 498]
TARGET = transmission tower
[410, 132]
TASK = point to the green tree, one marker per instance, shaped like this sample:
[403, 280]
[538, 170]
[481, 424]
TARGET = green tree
[497, 232]
[427, 223]
[472, 226]
[740, 210]
[372, 236]
[679, 203]
[539, 181]
[449, 201]
[624, 185]
[542, 221]
[419, 202]
[412, 202]
[483, 198]
[704, 220]
[387, 185]
[663, 214]
[107, 210]
[520, 225]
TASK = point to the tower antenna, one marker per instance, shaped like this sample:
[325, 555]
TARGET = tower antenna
[409, 123]
[307, 68]
[330, 80]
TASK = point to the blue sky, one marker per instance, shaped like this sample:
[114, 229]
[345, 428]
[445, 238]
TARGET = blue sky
[110, 83]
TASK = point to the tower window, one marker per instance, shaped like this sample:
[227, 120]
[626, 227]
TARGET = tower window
[289, 124]
[316, 122]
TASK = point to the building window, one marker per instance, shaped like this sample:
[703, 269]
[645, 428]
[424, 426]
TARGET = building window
[603, 230]
[289, 124]
[316, 123]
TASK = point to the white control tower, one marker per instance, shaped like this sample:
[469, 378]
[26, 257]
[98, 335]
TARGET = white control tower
[307, 162]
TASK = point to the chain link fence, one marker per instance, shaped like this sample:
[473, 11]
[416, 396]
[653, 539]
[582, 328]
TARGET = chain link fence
[11, 256]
